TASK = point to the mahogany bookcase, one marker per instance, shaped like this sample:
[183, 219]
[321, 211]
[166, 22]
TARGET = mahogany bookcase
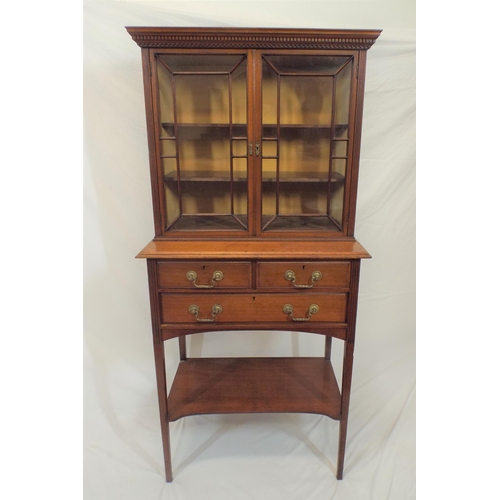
[254, 141]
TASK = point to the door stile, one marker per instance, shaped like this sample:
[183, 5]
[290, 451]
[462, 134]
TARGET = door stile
[256, 134]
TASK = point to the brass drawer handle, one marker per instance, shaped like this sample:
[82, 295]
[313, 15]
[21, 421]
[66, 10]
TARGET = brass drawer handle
[315, 276]
[195, 310]
[192, 276]
[288, 309]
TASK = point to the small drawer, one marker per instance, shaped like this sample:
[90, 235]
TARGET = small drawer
[253, 308]
[204, 275]
[303, 275]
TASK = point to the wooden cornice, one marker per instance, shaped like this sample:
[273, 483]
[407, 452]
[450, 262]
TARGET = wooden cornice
[263, 38]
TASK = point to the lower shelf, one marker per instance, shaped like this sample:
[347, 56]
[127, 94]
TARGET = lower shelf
[254, 385]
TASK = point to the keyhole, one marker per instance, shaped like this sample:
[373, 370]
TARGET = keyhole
[203, 267]
[253, 298]
[303, 267]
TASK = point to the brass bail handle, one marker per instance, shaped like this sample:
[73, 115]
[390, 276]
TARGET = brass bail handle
[315, 276]
[195, 311]
[288, 309]
[216, 276]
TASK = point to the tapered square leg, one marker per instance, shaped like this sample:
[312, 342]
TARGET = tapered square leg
[161, 376]
[347, 364]
[163, 404]
[344, 405]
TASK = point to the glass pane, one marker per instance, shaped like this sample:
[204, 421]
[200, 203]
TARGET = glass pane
[239, 93]
[269, 148]
[202, 105]
[336, 202]
[336, 197]
[239, 148]
[168, 148]
[172, 201]
[339, 148]
[308, 200]
[342, 101]
[203, 148]
[201, 63]
[268, 170]
[240, 187]
[305, 106]
[165, 94]
[268, 190]
[314, 64]
[306, 100]
[240, 169]
[304, 151]
[339, 166]
[202, 99]
[269, 95]
[170, 168]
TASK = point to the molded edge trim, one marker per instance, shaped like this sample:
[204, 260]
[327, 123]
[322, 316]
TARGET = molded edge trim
[252, 38]
[254, 249]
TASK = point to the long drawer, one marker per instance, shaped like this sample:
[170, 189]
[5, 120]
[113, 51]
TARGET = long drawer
[231, 308]
[204, 275]
[303, 275]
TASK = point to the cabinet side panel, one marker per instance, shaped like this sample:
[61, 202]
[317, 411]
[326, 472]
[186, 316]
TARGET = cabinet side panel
[352, 188]
[148, 95]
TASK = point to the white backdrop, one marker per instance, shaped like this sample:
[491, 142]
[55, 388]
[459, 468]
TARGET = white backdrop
[239, 456]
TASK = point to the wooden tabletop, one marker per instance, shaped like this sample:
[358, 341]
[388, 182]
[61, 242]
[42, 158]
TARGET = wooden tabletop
[253, 249]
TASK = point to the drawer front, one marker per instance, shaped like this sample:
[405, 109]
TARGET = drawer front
[303, 275]
[204, 275]
[253, 308]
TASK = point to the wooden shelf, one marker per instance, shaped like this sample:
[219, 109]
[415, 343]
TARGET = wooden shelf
[268, 128]
[250, 385]
[203, 125]
[338, 127]
[265, 125]
[205, 176]
[223, 176]
[210, 222]
[299, 222]
[302, 176]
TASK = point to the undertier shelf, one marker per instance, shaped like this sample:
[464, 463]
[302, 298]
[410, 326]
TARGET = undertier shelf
[254, 385]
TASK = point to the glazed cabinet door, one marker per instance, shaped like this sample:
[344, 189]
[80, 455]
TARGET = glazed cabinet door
[306, 111]
[201, 115]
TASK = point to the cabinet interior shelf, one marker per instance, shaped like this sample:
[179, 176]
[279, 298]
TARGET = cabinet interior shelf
[339, 128]
[246, 385]
[223, 176]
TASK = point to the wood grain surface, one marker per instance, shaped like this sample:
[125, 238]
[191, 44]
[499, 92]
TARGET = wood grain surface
[249, 385]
